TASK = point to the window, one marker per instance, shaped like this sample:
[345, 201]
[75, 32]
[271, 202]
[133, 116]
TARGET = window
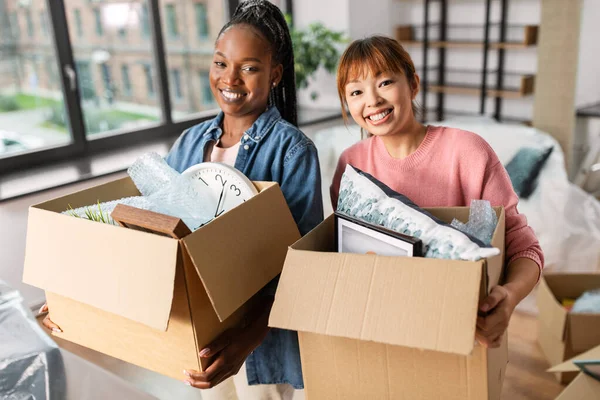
[78, 26]
[123, 94]
[201, 21]
[32, 114]
[98, 22]
[149, 80]
[126, 80]
[14, 25]
[44, 22]
[107, 80]
[207, 96]
[171, 16]
[145, 21]
[193, 53]
[30, 27]
[176, 84]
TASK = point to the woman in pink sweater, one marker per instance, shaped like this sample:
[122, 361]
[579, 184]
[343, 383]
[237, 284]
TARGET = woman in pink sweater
[433, 166]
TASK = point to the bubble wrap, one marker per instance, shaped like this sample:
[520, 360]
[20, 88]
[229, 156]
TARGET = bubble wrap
[588, 303]
[163, 190]
[482, 221]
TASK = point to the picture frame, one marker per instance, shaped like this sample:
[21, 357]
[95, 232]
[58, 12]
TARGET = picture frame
[359, 237]
[589, 367]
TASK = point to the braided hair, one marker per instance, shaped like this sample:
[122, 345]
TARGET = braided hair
[269, 21]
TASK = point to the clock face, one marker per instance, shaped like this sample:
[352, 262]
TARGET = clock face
[229, 185]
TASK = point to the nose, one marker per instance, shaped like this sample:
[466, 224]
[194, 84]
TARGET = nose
[373, 98]
[231, 76]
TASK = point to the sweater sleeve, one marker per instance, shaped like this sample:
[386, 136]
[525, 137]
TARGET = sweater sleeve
[520, 238]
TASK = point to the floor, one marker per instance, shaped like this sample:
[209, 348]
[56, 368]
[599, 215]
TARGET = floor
[526, 376]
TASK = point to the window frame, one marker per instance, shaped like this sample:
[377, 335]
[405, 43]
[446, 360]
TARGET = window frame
[80, 146]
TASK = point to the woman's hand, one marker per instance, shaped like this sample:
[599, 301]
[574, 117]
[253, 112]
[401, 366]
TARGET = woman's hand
[230, 350]
[499, 306]
[47, 322]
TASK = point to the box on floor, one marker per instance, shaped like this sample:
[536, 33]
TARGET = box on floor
[389, 327]
[583, 387]
[146, 298]
[562, 334]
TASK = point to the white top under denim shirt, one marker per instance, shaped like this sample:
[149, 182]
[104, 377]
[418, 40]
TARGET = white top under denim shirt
[271, 150]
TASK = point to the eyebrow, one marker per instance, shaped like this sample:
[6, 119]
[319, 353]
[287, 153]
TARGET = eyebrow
[358, 81]
[245, 59]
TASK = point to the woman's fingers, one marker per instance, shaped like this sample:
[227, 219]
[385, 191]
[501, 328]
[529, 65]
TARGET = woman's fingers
[47, 322]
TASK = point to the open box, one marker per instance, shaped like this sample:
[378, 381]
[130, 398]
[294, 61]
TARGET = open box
[146, 298]
[389, 327]
[583, 387]
[561, 334]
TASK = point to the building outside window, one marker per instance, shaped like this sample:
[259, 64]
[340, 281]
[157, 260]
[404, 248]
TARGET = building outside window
[149, 79]
[176, 84]
[78, 25]
[126, 80]
[201, 21]
[98, 22]
[30, 26]
[207, 96]
[171, 17]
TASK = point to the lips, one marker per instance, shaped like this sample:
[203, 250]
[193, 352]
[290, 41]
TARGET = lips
[379, 117]
[232, 96]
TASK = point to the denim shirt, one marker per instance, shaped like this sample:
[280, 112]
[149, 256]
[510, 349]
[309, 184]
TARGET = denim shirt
[271, 150]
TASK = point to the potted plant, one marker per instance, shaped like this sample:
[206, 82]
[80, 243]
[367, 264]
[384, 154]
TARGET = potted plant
[314, 47]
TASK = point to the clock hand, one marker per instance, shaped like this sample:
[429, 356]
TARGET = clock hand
[220, 198]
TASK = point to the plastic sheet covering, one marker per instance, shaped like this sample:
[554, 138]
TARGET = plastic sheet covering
[31, 365]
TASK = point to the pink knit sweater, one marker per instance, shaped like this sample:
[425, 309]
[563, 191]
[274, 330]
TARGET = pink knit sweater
[450, 168]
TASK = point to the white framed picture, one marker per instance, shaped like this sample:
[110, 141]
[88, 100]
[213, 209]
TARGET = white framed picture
[354, 236]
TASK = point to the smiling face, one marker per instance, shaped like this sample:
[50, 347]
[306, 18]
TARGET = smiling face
[377, 83]
[381, 103]
[242, 73]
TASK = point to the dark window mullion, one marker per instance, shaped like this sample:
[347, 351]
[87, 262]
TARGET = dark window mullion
[66, 62]
[160, 60]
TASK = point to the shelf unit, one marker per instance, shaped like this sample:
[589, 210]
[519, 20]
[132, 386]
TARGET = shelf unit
[590, 111]
[408, 37]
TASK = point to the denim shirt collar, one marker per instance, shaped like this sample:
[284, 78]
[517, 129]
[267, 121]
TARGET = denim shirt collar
[259, 129]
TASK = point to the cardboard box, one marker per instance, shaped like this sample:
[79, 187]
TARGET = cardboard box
[583, 387]
[375, 327]
[145, 298]
[563, 335]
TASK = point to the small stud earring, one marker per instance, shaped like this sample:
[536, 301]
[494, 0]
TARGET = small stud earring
[274, 84]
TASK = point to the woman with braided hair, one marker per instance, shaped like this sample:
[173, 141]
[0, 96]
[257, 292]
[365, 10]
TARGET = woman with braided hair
[252, 78]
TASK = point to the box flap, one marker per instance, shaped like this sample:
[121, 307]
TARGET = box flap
[583, 387]
[571, 285]
[241, 251]
[568, 366]
[122, 271]
[415, 302]
[552, 315]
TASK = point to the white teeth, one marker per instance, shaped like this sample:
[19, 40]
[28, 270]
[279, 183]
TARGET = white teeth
[231, 95]
[379, 116]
